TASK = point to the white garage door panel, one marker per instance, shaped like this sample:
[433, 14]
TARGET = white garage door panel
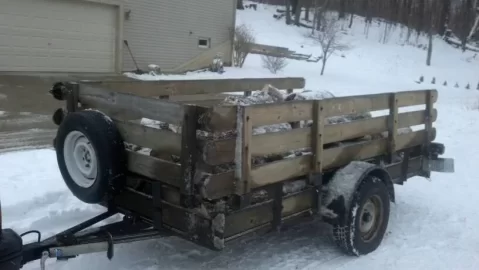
[57, 35]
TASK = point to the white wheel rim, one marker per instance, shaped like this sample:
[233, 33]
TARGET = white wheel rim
[80, 159]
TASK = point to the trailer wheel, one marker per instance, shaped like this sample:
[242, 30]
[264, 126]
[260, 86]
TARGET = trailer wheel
[364, 225]
[90, 155]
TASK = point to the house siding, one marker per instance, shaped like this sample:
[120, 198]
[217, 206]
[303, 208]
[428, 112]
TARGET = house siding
[166, 32]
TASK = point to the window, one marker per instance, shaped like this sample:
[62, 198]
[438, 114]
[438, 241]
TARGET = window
[204, 43]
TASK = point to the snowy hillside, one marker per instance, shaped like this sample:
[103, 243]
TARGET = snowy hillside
[433, 225]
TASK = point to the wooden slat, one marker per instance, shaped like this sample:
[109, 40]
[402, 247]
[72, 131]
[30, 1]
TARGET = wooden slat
[222, 185]
[127, 106]
[268, 48]
[154, 168]
[196, 98]
[334, 157]
[243, 220]
[268, 114]
[156, 139]
[194, 87]
[223, 151]
[223, 118]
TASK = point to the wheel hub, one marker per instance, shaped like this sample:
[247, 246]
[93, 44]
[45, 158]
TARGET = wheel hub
[370, 218]
[80, 159]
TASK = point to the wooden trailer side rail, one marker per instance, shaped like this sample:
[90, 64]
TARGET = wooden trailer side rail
[124, 101]
[223, 118]
[122, 108]
[166, 88]
[242, 149]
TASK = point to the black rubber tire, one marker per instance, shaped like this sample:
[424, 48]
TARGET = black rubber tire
[347, 235]
[110, 151]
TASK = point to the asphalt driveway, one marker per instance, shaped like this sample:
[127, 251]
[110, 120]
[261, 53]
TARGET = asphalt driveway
[26, 108]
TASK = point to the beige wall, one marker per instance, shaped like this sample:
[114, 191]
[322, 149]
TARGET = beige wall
[166, 32]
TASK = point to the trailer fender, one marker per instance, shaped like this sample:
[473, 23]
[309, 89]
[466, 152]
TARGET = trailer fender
[340, 189]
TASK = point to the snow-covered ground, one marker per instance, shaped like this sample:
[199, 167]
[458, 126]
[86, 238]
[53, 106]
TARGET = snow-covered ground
[433, 225]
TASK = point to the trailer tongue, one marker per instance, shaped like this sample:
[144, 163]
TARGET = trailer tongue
[75, 241]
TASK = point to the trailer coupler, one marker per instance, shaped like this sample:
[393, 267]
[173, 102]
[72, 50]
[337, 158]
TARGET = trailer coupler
[80, 240]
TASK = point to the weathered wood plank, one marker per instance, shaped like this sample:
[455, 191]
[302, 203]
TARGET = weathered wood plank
[393, 125]
[156, 139]
[244, 168]
[188, 150]
[223, 118]
[249, 218]
[154, 168]
[223, 151]
[72, 98]
[127, 106]
[333, 157]
[268, 48]
[317, 136]
[195, 87]
[276, 113]
[222, 185]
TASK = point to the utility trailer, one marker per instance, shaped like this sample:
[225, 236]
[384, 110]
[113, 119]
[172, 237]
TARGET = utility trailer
[213, 173]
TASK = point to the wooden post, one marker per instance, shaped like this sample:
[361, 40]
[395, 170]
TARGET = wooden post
[428, 125]
[429, 111]
[393, 125]
[73, 94]
[317, 136]
[245, 128]
[317, 142]
[428, 117]
[188, 153]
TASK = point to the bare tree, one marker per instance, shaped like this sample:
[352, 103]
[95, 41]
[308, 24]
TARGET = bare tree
[273, 63]
[315, 15]
[342, 9]
[239, 4]
[319, 14]
[242, 44]
[475, 27]
[288, 11]
[296, 9]
[352, 14]
[329, 39]
[429, 48]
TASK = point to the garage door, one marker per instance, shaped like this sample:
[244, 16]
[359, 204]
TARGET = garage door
[57, 36]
